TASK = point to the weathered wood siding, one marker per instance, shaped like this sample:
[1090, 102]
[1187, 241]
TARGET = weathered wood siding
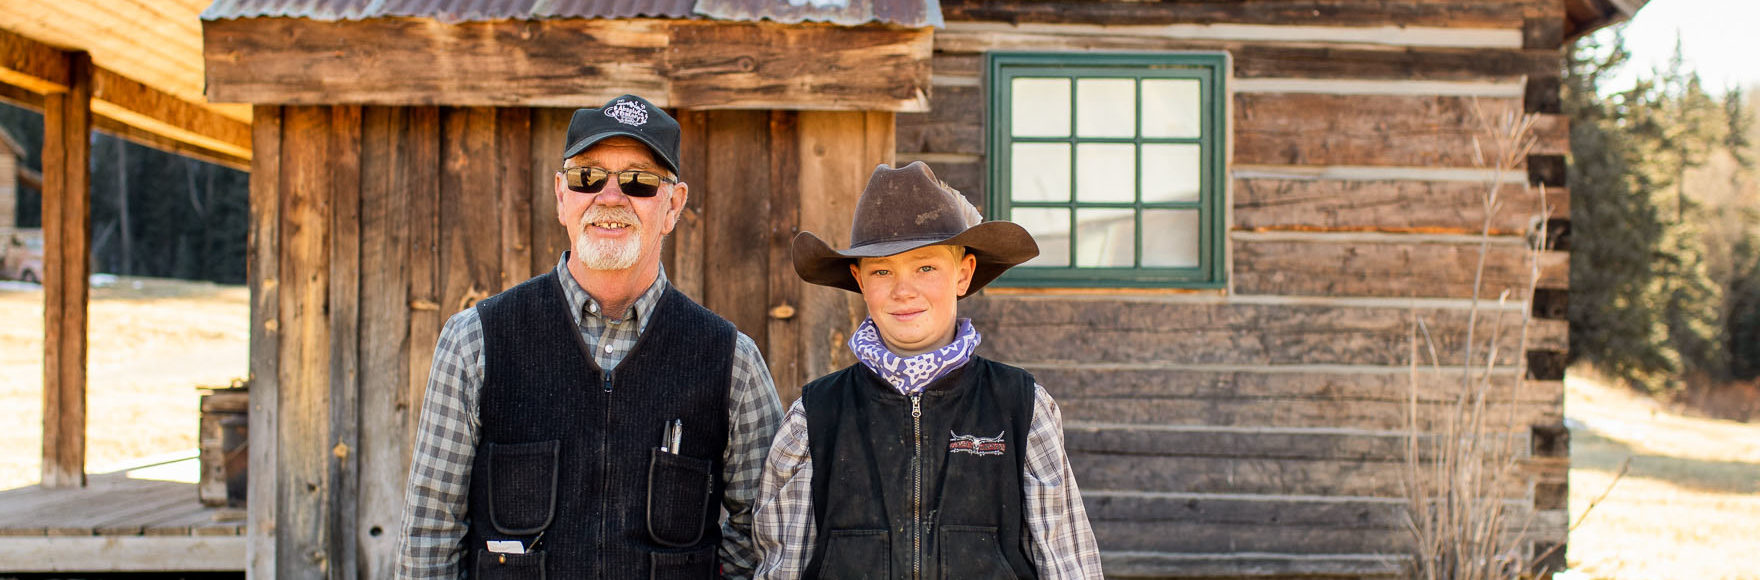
[372, 225]
[1260, 430]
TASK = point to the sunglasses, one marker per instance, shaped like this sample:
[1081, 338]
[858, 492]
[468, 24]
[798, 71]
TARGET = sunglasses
[632, 182]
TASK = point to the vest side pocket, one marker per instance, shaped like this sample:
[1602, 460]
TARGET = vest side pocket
[522, 486]
[858, 554]
[493, 566]
[691, 565]
[678, 498]
[973, 552]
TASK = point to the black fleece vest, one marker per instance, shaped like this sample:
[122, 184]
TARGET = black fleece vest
[931, 497]
[568, 463]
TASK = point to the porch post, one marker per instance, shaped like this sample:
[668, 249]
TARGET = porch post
[67, 125]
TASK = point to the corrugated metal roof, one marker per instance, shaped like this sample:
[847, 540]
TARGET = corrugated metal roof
[911, 13]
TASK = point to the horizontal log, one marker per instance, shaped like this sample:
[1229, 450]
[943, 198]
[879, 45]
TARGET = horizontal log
[1298, 444]
[1388, 205]
[1290, 128]
[1448, 13]
[1315, 129]
[1101, 329]
[1232, 475]
[1135, 564]
[817, 67]
[567, 62]
[1317, 266]
[1262, 60]
[1302, 382]
[1298, 413]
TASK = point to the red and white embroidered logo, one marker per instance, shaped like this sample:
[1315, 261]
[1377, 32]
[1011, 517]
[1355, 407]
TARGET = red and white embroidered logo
[976, 445]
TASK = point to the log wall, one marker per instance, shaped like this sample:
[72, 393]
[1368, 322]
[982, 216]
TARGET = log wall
[372, 225]
[1260, 430]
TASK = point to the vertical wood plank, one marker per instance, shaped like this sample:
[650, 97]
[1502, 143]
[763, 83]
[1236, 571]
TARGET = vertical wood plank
[304, 509]
[684, 267]
[736, 238]
[265, 275]
[513, 155]
[549, 238]
[384, 336]
[67, 126]
[419, 179]
[470, 229]
[836, 160]
[784, 341]
[344, 311]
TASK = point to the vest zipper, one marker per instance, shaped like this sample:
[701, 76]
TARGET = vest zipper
[917, 487]
[605, 480]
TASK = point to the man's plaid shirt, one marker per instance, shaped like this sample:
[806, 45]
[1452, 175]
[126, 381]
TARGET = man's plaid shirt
[1063, 546]
[446, 441]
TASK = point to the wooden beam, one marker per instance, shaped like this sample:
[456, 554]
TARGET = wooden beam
[67, 126]
[138, 105]
[32, 65]
[126, 107]
[265, 347]
[568, 63]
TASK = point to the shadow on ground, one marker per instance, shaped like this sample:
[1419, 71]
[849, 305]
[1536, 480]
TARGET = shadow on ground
[1594, 451]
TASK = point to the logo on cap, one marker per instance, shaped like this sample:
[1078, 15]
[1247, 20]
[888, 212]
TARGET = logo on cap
[628, 113]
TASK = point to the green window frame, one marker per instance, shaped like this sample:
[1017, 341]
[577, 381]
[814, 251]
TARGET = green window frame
[1094, 216]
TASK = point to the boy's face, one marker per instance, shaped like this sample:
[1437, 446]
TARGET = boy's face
[912, 296]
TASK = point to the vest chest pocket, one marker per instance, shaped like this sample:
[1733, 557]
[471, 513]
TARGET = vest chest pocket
[678, 498]
[972, 552]
[522, 486]
[493, 566]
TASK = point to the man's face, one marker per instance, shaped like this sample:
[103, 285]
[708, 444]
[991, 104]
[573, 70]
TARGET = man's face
[609, 230]
[913, 296]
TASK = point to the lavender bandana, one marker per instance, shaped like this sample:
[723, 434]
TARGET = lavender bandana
[911, 375]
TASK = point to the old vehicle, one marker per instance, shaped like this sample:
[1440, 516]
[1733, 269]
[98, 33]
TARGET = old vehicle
[21, 258]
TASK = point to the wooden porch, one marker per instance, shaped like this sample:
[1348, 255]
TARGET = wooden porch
[132, 520]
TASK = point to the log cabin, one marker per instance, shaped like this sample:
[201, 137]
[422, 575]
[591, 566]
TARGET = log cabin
[1243, 207]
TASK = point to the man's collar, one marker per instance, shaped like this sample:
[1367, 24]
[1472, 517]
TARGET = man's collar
[581, 303]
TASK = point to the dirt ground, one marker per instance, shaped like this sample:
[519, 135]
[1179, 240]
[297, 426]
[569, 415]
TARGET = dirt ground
[150, 349]
[1689, 508]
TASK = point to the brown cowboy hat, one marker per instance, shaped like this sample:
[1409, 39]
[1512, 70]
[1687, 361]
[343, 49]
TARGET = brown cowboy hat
[907, 208]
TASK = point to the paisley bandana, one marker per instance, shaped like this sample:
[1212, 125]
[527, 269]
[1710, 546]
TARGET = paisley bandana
[911, 375]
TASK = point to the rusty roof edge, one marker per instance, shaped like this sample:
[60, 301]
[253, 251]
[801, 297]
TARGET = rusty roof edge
[906, 13]
[1610, 12]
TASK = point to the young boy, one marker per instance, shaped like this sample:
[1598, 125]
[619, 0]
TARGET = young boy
[922, 460]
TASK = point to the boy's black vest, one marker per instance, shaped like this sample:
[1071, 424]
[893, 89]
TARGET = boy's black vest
[934, 496]
[568, 463]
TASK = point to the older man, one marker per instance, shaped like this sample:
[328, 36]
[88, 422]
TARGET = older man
[592, 422]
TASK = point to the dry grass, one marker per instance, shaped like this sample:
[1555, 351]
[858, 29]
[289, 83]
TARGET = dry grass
[1688, 508]
[151, 346]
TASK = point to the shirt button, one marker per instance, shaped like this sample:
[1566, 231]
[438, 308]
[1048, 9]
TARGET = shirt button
[607, 349]
[593, 308]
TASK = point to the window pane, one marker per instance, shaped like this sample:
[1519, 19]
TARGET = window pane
[1172, 108]
[1106, 237]
[1170, 238]
[1039, 172]
[1171, 172]
[1106, 108]
[1050, 228]
[1040, 107]
[1106, 172]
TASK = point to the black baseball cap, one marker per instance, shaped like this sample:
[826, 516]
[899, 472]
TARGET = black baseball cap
[628, 116]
